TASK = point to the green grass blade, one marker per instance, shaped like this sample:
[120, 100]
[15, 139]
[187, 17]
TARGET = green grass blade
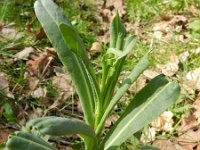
[135, 73]
[51, 16]
[25, 141]
[148, 104]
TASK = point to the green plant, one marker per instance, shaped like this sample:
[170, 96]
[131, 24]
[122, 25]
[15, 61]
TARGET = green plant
[195, 29]
[143, 11]
[12, 11]
[148, 11]
[97, 98]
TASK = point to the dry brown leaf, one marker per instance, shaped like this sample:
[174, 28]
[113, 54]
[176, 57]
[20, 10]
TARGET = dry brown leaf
[197, 51]
[197, 95]
[24, 54]
[36, 65]
[179, 19]
[188, 122]
[4, 133]
[193, 10]
[116, 5]
[29, 27]
[41, 63]
[38, 112]
[162, 27]
[41, 34]
[190, 139]
[149, 135]
[196, 106]
[158, 35]
[64, 85]
[31, 82]
[134, 28]
[106, 17]
[109, 122]
[174, 59]
[164, 122]
[4, 85]
[183, 56]
[9, 32]
[167, 145]
[54, 106]
[182, 38]
[96, 47]
[194, 78]
[61, 147]
[137, 86]
[168, 69]
[59, 71]
[64, 88]
[14, 46]
[79, 107]
[187, 88]
[150, 74]
[27, 14]
[104, 39]
[198, 147]
[40, 92]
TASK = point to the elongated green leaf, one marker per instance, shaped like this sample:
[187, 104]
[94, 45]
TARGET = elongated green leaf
[128, 40]
[116, 29]
[135, 73]
[149, 103]
[117, 34]
[75, 62]
[25, 141]
[113, 66]
[128, 47]
[58, 126]
[119, 53]
[75, 44]
[72, 40]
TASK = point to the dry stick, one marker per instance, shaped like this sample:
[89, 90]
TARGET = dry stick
[14, 87]
[47, 65]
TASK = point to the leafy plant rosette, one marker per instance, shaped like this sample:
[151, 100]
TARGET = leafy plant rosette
[98, 98]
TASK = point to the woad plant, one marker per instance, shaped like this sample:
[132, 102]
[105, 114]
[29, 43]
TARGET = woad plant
[97, 97]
